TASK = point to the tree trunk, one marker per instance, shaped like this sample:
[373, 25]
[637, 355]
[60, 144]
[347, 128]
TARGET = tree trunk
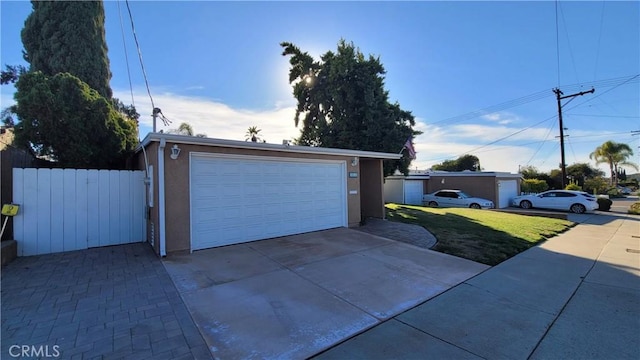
[613, 174]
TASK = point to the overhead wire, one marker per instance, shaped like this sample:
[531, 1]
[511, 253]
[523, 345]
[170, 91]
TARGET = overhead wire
[595, 68]
[533, 97]
[599, 94]
[126, 56]
[144, 73]
[564, 25]
[557, 44]
[607, 83]
[542, 143]
[608, 116]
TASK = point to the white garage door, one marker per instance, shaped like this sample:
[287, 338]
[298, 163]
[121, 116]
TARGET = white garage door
[236, 199]
[508, 190]
[413, 191]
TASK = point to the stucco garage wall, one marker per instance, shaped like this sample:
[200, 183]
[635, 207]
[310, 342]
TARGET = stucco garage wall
[478, 186]
[177, 188]
[371, 189]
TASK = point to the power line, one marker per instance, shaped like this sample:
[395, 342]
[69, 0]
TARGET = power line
[564, 25]
[126, 56]
[508, 136]
[534, 97]
[542, 143]
[595, 69]
[607, 116]
[557, 44]
[144, 73]
[629, 80]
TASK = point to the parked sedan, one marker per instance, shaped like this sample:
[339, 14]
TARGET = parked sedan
[455, 198]
[568, 200]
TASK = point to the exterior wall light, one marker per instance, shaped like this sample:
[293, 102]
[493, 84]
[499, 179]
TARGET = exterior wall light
[354, 162]
[175, 151]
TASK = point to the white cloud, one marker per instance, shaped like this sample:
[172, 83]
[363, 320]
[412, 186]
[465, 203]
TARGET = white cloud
[488, 133]
[502, 118]
[214, 118]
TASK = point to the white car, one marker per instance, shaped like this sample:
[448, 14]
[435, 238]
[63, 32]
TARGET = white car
[568, 200]
[455, 198]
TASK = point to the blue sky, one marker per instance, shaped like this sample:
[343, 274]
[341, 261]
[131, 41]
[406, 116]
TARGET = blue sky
[218, 66]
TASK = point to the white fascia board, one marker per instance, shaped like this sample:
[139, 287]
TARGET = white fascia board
[473, 173]
[193, 140]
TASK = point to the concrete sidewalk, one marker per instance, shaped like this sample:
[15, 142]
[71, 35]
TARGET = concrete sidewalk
[575, 296]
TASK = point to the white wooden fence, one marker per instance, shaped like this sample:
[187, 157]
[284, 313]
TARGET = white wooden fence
[73, 209]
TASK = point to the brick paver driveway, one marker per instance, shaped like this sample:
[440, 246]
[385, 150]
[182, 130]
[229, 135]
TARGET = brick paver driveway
[114, 302]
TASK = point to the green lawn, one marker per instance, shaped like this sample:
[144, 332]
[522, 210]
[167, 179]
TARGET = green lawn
[485, 236]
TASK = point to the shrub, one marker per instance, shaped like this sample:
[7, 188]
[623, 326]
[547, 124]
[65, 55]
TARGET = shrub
[614, 193]
[534, 186]
[604, 204]
[634, 208]
[595, 186]
[573, 186]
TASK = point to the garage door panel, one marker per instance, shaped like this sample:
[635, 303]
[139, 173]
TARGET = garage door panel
[237, 199]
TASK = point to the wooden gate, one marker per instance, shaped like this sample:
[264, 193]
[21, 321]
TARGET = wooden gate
[74, 209]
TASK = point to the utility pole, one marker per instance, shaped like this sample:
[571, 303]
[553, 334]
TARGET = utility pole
[560, 96]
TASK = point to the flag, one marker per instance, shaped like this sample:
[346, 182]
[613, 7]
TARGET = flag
[410, 149]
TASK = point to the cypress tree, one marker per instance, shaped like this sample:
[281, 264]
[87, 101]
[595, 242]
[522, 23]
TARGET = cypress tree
[64, 102]
[69, 36]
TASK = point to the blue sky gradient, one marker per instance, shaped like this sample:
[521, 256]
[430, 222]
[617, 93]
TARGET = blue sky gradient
[218, 66]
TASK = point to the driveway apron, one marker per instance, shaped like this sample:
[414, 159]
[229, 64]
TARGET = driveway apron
[295, 296]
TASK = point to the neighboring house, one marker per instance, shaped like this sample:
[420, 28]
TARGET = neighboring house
[499, 187]
[205, 192]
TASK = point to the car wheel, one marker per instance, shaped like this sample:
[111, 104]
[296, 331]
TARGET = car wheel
[474, 206]
[525, 204]
[578, 208]
[433, 204]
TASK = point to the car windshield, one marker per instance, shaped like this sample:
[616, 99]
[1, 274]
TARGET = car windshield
[463, 195]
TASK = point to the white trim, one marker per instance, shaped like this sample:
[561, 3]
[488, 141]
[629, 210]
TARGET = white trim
[162, 238]
[258, 157]
[194, 140]
[194, 155]
[475, 173]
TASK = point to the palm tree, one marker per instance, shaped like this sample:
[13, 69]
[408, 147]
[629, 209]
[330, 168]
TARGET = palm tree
[252, 134]
[183, 129]
[615, 154]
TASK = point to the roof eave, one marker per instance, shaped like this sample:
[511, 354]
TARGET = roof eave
[192, 140]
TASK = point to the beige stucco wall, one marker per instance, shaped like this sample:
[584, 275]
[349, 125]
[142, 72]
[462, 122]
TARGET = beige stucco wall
[372, 188]
[177, 197]
[479, 186]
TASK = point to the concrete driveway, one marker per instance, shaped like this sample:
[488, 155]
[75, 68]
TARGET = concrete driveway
[295, 296]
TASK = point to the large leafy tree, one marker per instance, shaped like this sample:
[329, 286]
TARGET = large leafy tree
[68, 36]
[615, 155]
[342, 103]
[580, 172]
[65, 109]
[63, 119]
[462, 163]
